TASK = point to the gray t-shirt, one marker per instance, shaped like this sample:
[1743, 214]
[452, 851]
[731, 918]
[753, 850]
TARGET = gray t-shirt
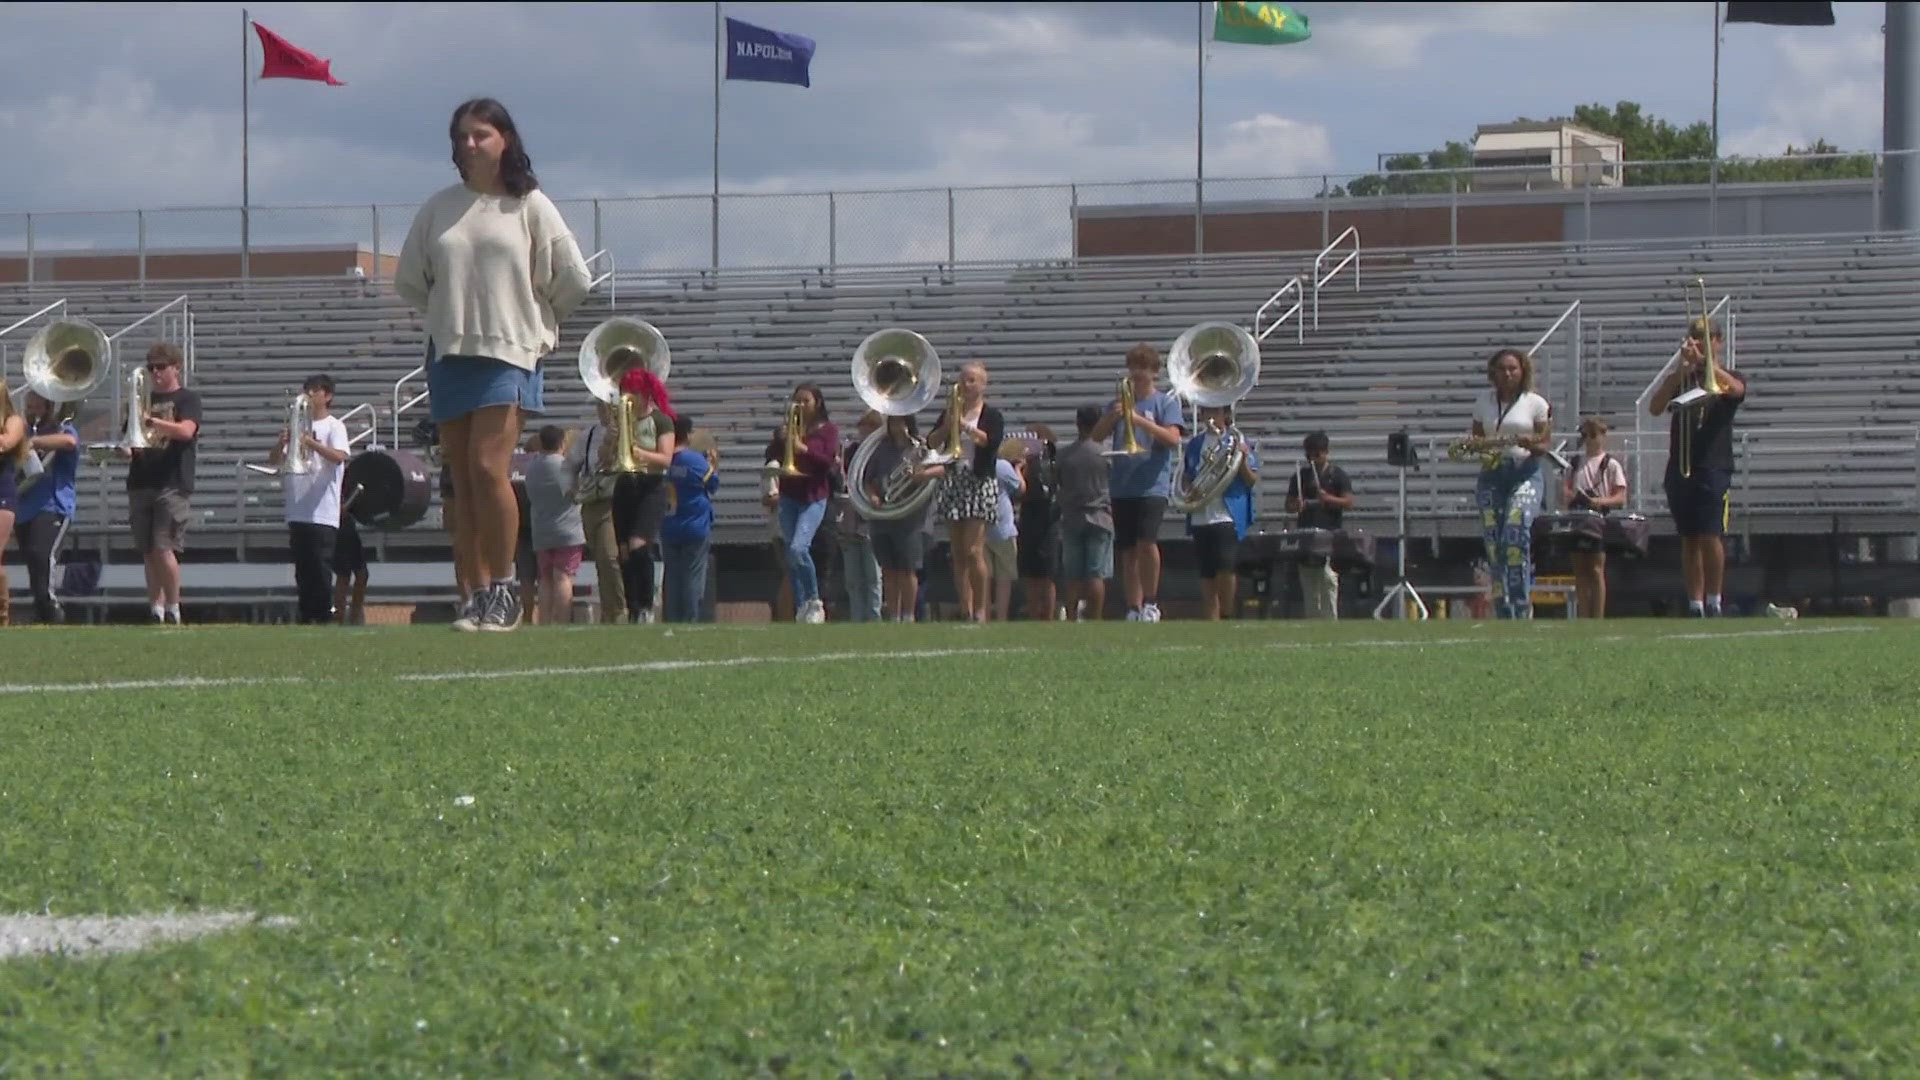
[555, 516]
[1084, 498]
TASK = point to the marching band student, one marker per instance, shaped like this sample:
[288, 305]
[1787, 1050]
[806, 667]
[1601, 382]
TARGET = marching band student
[1508, 491]
[686, 535]
[899, 546]
[492, 268]
[1003, 537]
[313, 500]
[1039, 540]
[349, 570]
[859, 567]
[967, 497]
[1223, 522]
[640, 499]
[1086, 519]
[559, 540]
[1141, 482]
[802, 500]
[160, 480]
[46, 501]
[1700, 470]
[1595, 482]
[13, 457]
[590, 457]
[1327, 498]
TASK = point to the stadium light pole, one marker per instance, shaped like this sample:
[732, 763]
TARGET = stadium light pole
[246, 179]
[1899, 120]
[1713, 167]
[714, 222]
[1200, 130]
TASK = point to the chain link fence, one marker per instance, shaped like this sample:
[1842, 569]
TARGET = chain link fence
[676, 234]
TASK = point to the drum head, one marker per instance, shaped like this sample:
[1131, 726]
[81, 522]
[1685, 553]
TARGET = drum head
[393, 489]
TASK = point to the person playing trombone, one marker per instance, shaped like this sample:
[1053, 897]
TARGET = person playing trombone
[1700, 466]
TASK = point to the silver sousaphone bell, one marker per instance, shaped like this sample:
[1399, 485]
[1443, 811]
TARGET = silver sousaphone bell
[896, 372]
[65, 361]
[611, 349]
[1211, 365]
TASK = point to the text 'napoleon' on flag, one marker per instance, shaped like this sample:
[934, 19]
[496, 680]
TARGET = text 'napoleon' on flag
[756, 54]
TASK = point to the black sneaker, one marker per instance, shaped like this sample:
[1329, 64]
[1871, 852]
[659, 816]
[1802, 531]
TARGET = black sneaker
[503, 609]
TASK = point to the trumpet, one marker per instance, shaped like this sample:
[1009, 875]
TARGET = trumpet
[796, 431]
[1131, 445]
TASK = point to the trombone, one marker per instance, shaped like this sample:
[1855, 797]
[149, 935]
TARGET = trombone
[1701, 384]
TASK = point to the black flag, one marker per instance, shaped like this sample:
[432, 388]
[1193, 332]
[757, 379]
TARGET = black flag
[1789, 14]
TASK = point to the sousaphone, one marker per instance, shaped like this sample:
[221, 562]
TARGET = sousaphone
[897, 373]
[1212, 364]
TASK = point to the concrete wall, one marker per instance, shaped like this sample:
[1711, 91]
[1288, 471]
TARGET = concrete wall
[1605, 214]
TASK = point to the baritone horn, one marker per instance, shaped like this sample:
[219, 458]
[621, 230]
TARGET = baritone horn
[1213, 365]
[896, 372]
[297, 460]
[610, 350]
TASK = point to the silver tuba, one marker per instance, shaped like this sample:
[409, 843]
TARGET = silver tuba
[609, 352]
[64, 362]
[897, 373]
[1212, 364]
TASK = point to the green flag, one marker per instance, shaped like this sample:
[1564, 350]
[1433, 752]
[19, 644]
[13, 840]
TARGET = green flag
[1254, 22]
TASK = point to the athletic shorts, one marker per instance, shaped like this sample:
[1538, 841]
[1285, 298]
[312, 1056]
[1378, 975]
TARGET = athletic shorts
[159, 518]
[1086, 553]
[1003, 560]
[1698, 503]
[565, 560]
[1215, 549]
[1137, 521]
[898, 550]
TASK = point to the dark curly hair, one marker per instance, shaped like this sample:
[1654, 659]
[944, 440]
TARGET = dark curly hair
[516, 169]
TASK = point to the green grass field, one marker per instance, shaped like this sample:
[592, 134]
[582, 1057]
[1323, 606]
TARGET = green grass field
[1674, 848]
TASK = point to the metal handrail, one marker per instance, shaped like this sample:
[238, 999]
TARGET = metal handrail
[1320, 279]
[1572, 312]
[401, 407]
[612, 282]
[373, 422]
[17, 324]
[1299, 301]
[183, 303]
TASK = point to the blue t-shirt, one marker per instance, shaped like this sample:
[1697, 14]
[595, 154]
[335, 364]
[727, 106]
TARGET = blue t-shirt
[54, 490]
[694, 481]
[1150, 474]
[1007, 477]
[1238, 497]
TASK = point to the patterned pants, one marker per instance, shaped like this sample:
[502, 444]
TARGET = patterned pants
[1509, 498]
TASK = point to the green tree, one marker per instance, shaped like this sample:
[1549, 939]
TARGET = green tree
[1643, 138]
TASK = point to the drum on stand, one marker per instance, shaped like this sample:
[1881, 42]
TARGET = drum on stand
[391, 488]
[1353, 549]
[1571, 531]
[1626, 535]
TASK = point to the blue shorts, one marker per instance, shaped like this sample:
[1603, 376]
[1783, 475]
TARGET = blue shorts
[9, 488]
[1086, 553]
[1699, 502]
[457, 385]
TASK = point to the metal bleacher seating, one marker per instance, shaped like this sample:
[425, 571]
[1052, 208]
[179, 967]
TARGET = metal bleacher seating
[1825, 326]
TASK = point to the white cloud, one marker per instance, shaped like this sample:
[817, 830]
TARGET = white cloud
[1826, 84]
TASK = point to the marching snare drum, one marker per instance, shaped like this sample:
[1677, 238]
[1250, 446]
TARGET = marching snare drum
[1571, 530]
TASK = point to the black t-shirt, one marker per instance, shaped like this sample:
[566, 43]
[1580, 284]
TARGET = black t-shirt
[1331, 480]
[169, 463]
[1712, 428]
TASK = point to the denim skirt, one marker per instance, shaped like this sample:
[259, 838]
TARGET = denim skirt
[457, 385]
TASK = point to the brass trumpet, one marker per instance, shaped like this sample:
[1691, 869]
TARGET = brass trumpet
[1131, 445]
[796, 431]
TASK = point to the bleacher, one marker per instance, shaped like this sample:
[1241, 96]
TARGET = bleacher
[1825, 327]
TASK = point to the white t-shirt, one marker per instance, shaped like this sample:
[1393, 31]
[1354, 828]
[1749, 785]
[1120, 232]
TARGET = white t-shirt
[1595, 477]
[314, 498]
[1520, 418]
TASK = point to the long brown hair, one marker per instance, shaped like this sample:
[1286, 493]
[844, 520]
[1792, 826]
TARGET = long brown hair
[18, 455]
[516, 169]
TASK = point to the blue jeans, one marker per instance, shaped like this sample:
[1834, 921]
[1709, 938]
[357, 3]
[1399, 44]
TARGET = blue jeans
[862, 573]
[798, 522]
[1508, 496]
[686, 584]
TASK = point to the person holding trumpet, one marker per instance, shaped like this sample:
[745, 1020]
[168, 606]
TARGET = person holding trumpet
[1142, 479]
[1512, 427]
[807, 450]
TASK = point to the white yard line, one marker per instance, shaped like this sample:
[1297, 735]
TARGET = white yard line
[69, 935]
[191, 682]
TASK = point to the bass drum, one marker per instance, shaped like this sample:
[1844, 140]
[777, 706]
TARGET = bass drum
[393, 491]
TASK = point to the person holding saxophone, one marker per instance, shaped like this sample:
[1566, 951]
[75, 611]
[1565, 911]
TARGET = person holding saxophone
[1512, 427]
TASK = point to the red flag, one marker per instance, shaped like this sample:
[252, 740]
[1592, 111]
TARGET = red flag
[285, 61]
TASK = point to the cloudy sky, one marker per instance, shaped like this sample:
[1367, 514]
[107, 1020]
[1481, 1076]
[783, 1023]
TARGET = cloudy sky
[120, 106]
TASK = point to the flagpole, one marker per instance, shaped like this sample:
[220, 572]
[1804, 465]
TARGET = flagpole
[715, 218]
[1200, 131]
[246, 179]
[1713, 168]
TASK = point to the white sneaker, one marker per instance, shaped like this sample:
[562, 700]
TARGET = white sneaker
[816, 612]
[1150, 613]
[1133, 615]
[469, 617]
